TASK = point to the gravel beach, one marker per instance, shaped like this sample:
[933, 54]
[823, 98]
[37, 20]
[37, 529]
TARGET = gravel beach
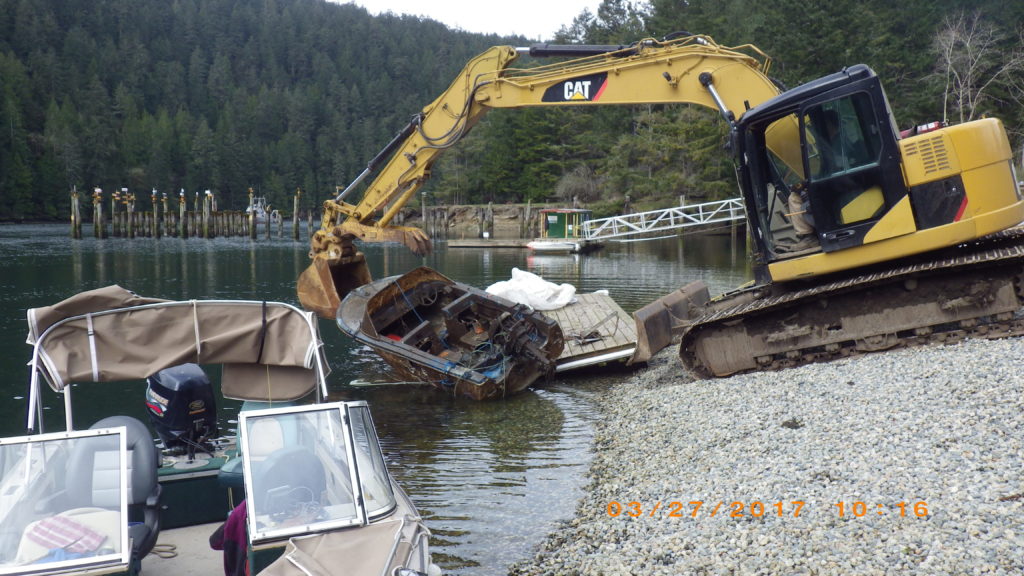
[771, 455]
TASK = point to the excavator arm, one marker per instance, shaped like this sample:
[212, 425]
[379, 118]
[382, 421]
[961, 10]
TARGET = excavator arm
[689, 70]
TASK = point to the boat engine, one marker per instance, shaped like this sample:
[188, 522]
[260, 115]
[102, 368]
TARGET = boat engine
[181, 408]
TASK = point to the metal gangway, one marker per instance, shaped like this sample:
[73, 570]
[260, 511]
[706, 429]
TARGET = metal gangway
[664, 220]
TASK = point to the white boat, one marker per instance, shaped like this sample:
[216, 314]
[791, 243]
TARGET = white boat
[97, 498]
[258, 208]
[554, 246]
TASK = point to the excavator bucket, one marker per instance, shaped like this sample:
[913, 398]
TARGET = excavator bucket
[659, 321]
[324, 284]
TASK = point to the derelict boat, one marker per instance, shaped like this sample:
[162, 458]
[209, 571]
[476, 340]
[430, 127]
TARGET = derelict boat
[457, 338]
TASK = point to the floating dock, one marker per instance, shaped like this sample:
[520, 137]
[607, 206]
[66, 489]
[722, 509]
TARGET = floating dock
[597, 331]
[488, 243]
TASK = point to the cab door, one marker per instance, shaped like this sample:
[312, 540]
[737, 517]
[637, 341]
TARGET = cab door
[851, 160]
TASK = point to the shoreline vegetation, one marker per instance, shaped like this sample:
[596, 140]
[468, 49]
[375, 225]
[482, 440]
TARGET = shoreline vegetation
[903, 462]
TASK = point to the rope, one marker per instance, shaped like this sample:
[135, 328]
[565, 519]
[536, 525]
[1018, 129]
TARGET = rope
[263, 334]
[409, 302]
[164, 551]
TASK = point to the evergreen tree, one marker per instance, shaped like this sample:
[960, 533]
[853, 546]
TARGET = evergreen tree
[281, 94]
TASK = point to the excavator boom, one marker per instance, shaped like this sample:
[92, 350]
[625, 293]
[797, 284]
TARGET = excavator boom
[647, 72]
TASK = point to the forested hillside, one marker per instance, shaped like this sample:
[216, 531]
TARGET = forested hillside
[206, 94]
[285, 94]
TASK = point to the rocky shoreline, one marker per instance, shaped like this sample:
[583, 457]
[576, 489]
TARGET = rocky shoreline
[923, 447]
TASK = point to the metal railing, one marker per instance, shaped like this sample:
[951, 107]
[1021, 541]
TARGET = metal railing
[665, 219]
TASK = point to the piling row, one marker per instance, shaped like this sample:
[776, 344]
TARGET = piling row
[203, 221]
[119, 218]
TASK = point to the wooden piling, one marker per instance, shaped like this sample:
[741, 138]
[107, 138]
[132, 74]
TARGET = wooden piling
[182, 220]
[114, 231]
[98, 226]
[76, 215]
[205, 221]
[130, 206]
[155, 226]
[295, 213]
[206, 216]
[524, 227]
[252, 216]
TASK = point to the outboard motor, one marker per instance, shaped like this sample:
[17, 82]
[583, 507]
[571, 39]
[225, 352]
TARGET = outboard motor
[181, 408]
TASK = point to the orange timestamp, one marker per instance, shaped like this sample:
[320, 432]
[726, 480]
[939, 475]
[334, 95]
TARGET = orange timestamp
[695, 508]
[757, 509]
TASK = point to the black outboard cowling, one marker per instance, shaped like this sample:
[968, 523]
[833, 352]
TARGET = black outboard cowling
[181, 408]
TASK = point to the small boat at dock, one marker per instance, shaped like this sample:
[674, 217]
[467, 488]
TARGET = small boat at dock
[552, 246]
[562, 232]
[456, 337]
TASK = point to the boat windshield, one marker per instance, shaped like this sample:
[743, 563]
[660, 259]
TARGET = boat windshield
[311, 469]
[373, 474]
[50, 525]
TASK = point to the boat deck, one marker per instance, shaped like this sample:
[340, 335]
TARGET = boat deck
[597, 331]
[184, 552]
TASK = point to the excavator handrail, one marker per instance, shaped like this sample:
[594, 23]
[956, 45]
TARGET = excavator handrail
[599, 55]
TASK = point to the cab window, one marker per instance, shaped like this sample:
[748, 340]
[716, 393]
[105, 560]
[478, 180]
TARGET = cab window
[841, 136]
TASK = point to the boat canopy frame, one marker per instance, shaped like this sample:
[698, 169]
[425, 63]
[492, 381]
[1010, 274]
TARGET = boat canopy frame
[269, 351]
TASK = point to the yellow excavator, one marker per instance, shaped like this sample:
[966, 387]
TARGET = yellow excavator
[907, 238]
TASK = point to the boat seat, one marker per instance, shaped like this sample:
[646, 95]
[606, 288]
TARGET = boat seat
[265, 437]
[458, 305]
[422, 334]
[85, 516]
[91, 500]
[144, 487]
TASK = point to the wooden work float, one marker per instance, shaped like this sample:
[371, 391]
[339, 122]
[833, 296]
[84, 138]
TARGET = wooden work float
[597, 332]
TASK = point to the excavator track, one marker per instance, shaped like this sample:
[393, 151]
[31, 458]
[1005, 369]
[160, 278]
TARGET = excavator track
[973, 290]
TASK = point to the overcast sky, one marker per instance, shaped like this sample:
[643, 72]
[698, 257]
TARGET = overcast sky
[535, 19]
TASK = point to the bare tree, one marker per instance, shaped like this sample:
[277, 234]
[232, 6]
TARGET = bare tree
[581, 183]
[974, 57]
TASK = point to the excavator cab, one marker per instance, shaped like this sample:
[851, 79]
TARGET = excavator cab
[870, 196]
[852, 157]
[832, 141]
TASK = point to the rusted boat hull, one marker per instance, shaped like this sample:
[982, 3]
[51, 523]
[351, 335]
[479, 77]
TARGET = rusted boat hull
[458, 338]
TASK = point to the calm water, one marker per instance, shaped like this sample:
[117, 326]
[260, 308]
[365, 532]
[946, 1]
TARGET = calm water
[491, 479]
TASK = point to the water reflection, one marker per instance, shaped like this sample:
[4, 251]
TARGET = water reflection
[638, 273]
[490, 478]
